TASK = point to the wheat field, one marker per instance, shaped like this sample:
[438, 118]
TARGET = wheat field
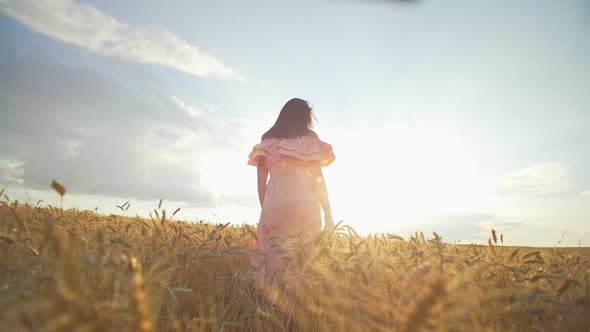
[71, 270]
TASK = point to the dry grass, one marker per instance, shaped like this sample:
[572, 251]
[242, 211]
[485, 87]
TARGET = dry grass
[80, 271]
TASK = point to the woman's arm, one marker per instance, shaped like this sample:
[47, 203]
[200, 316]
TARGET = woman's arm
[262, 177]
[319, 183]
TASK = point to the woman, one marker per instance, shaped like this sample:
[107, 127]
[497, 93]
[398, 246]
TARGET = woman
[293, 155]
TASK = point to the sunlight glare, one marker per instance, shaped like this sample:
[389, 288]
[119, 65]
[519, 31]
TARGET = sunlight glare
[399, 173]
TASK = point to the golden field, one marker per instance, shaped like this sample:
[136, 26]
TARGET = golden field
[71, 270]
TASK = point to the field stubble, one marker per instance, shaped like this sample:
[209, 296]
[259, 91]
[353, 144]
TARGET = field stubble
[71, 270]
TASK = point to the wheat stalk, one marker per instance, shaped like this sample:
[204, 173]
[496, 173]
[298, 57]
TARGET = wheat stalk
[61, 190]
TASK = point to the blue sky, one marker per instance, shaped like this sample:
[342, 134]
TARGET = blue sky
[450, 116]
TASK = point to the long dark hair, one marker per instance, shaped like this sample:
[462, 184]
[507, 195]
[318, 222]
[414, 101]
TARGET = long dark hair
[295, 119]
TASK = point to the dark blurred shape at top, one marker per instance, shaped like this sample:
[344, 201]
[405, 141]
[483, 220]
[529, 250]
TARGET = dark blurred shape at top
[385, 1]
[393, 2]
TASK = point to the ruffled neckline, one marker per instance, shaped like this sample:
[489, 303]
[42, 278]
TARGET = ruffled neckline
[306, 148]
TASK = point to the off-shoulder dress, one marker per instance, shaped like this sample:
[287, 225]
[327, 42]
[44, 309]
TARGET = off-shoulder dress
[290, 207]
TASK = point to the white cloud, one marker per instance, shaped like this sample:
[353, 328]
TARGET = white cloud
[11, 172]
[585, 193]
[85, 26]
[97, 137]
[538, 179]
[192, 110]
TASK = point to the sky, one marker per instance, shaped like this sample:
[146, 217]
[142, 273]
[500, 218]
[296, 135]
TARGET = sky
[447, 116]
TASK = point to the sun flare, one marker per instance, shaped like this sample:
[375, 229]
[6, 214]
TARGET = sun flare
[403, 173]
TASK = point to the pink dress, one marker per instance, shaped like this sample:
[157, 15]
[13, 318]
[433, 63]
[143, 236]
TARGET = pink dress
[290, 208]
